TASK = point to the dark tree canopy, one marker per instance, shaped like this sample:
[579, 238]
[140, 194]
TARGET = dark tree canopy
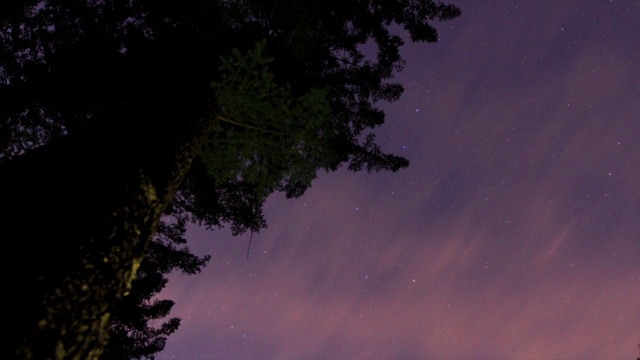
[127, 109]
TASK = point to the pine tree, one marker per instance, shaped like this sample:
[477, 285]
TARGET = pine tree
[113, 110]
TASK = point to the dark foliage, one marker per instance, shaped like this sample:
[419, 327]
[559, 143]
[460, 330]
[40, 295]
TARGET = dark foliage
[288, 85]
[135, 332]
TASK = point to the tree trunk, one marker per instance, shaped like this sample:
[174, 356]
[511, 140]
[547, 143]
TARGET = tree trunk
[77, 214]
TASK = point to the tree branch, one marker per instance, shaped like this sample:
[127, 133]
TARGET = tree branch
[225, 119]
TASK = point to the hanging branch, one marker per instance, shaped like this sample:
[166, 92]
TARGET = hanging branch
[225, 119]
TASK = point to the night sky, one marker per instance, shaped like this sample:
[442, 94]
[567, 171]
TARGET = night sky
[513, 233]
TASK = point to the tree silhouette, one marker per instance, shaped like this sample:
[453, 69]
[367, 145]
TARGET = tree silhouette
[114, 111]
[133, 334]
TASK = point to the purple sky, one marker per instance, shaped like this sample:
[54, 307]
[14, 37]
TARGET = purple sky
[513, 234]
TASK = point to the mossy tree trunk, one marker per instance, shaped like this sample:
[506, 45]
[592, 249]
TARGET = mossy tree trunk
[76, 216]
